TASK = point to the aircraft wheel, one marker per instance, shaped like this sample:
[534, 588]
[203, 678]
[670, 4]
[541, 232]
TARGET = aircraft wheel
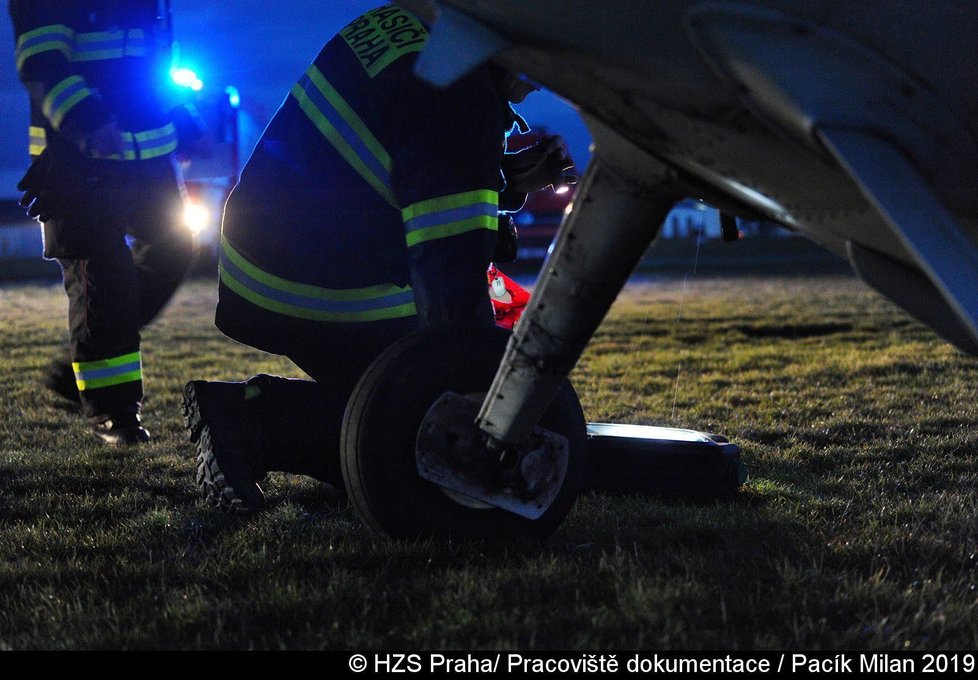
[381, 425]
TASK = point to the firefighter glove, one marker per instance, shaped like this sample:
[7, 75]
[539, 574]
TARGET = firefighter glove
[546, 163]
[42, 198]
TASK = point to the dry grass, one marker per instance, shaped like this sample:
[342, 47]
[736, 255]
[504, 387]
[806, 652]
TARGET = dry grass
[858, 529]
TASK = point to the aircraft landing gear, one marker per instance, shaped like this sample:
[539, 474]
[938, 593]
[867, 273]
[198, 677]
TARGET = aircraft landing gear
[392, 406]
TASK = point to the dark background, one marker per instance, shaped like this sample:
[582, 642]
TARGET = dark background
[259, 47]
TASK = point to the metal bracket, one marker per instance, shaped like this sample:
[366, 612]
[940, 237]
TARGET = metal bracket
[452, 452]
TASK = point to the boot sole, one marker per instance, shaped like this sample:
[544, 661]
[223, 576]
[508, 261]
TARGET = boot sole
[214, 487]
[192, 420]
[212, 483]
[135, 438]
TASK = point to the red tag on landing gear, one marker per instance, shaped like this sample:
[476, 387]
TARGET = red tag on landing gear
[508, 298]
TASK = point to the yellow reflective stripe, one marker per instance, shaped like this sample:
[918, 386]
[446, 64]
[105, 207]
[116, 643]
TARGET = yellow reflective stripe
[114, 53]
[109, 45]
[452, 215]
[98, 45]
[329, 112]
[38, 140]
[157, 142]
[401, 311]
[148, 135]
[80, 47]
[129, 152]
[335, 294]
[147, 144]
[448, 202]
[109, 381]
[111, 362]
[350, 116]
[99, 36]
[107, 372]
[146, 154]
[304, 301]
[62, 98]
[56, 37]
[452, 229]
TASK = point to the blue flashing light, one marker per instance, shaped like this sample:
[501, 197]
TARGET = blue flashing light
[186, 77]
[234, 99]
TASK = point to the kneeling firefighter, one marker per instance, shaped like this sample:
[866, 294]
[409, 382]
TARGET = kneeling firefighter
[370, 207]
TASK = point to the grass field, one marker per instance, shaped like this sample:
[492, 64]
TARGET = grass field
[857, 530]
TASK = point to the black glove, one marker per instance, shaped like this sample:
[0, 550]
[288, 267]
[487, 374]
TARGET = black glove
[544, 164]
[43, 197]
[57, 185]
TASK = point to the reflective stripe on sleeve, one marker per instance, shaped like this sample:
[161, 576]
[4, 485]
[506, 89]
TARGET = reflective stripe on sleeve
[158, 142]
[148, 143]
[53, 38]
[62, 98]
[450, 215]
[109, 45]
[77, 47]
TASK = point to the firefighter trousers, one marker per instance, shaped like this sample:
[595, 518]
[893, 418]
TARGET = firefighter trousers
[122, 256]
[298, 422]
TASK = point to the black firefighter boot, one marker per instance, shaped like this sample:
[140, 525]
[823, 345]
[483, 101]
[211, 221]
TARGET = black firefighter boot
[269, 423]
[303, 425]
[225, 421]
[123, 429]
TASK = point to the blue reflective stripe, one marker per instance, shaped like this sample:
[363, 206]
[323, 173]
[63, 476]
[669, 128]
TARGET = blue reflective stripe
[38, 140]
[67, 94]
[153, 143]
[113, 45]
[313, 303]
[148, 143]
[73, 88]
[348, 133]
[128, 146]
[452, 215]
[94, 374]
[54, 38]
[59, 39]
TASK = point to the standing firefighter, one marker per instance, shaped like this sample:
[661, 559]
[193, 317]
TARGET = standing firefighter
[103, 139]
[369, 208]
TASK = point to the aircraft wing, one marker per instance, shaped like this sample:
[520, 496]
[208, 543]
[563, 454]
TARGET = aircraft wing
[855, 129]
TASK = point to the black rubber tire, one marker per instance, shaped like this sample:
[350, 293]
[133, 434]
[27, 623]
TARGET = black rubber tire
[381, 425]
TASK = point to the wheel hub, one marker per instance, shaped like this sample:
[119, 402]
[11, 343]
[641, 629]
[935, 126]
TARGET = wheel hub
[453, 453]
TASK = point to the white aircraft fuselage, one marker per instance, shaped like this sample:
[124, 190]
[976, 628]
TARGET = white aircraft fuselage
[854, 124]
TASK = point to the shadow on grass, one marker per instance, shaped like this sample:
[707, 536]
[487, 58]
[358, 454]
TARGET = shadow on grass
[793, 331]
